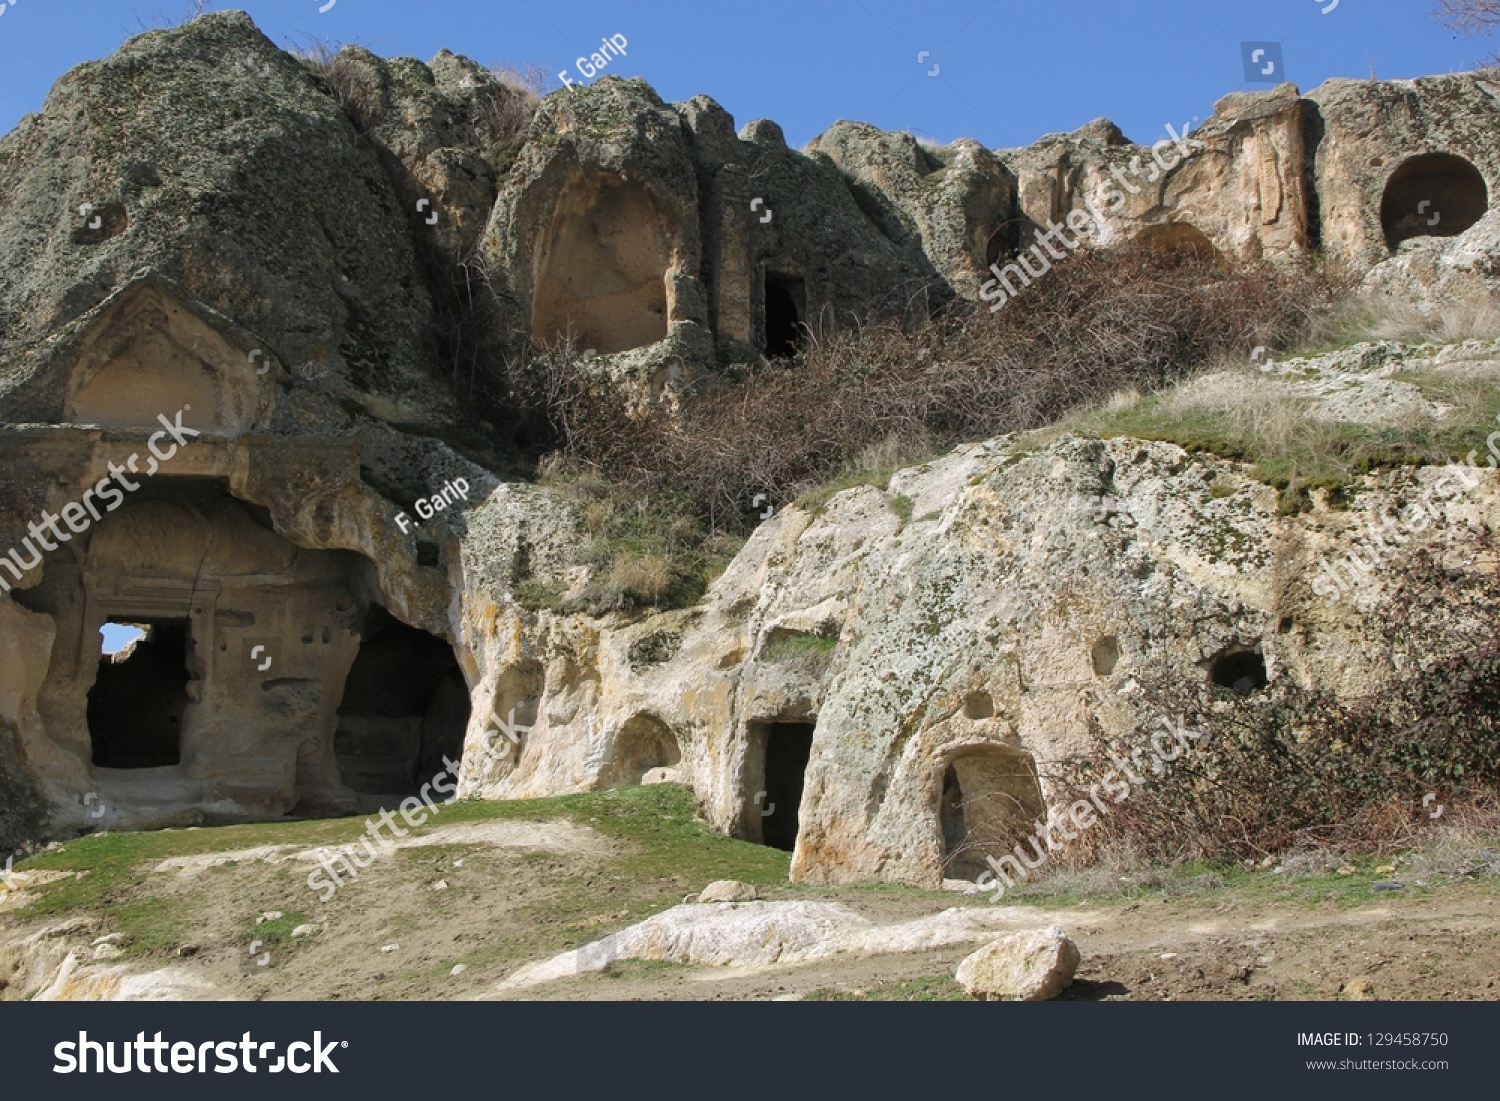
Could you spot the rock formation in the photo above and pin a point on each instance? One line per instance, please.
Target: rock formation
(203, 232)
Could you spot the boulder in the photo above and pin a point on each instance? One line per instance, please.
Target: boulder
(728, 890)
(1035, 966)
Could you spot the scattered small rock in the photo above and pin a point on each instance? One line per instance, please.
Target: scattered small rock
(304, 931)
(458, 969)
(1386, 869)
(1348, 869)
(107, 952)
(1026, 967)
(109, 938)
(1167, 956)
(391, 948)
(186, 951)
(728, 890)
(1390, 885)
(1358, 990)
(440, 885)
(269, 915)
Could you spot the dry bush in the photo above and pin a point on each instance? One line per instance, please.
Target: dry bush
(158, 20)
(510, 106)
(1293, 767)
(1099, 323)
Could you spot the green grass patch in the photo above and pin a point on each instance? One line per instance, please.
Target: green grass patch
(668, 853)
(1288, 448)
(927, 988)
(817, 498)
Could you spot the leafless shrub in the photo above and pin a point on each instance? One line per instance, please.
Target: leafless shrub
(1294, 767)
(1471, 17)
(1100, 323)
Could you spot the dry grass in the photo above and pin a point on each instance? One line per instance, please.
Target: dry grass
(1474, 317)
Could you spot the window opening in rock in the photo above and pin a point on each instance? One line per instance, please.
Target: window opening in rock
(1239, 669)
(1105, 655)
(139, 698)
(978, 706)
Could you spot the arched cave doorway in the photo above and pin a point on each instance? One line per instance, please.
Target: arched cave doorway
(139, 698)
(645, 743)
(1433, 195)
(405, 706)
(786, 306)
(988, 801)
(1176, 241)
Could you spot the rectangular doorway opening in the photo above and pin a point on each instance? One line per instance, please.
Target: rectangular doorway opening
(139, 698)
(785, 299)
(784, 750)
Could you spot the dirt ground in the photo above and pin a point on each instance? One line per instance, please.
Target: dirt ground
(459, 907)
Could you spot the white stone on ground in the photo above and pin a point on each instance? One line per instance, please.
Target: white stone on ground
(1034, 966)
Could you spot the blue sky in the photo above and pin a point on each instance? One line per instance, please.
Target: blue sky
(1006, 71)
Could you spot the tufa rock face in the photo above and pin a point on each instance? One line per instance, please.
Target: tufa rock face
(1395, 160)
(334, 623)
(211, 159)
(1234, 185)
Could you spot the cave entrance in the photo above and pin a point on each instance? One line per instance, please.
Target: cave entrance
(1434, 195)
(405, 706)
(1175, 243)
(786, 306)
(989, 798)
(784, 748)
(139, 698)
